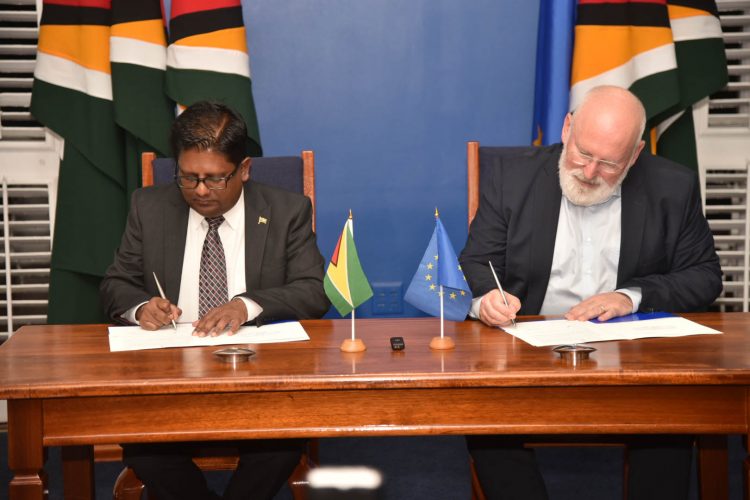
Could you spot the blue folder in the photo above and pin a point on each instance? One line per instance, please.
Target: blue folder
(636, 317)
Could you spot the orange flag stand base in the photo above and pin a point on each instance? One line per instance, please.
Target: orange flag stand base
(353, 345)
(442, 343)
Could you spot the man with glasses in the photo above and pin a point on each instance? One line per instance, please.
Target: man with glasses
(227, 252)
(592, 228)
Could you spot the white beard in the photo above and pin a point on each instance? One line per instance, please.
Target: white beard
(591, 192)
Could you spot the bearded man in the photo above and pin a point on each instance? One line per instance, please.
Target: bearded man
(591, 228)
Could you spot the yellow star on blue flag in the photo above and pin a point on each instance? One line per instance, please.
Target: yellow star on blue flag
(439, 266)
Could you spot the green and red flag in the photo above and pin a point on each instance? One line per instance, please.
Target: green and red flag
(628, 44)
(701, 59)
(207, 58)
(345, 282)
(72, 95)
(103, 81)
(138, 56)
(670, 53)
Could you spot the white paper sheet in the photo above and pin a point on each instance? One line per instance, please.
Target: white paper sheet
(559, 332)
(133, 338)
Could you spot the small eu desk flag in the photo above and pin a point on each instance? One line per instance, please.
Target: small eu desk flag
(439, 267)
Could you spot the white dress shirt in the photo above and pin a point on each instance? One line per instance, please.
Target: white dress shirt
(586, 256)
(232, 235)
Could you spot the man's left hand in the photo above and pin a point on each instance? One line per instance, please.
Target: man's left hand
(230, 315)
(602, 307)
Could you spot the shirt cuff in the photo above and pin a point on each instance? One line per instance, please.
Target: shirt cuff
(475, 303)
(129, 315)
(253, 309)
(635, 296)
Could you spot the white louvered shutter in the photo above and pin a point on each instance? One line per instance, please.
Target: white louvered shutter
(726, 211)
(723, 140)
(25, 244)
(731, 107)
(18, 37)
(28, 175)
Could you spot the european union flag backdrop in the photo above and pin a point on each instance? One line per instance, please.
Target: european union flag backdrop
(554, 52)
(439, 266)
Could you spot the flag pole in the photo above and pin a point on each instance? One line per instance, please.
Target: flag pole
(441, 342)
(442, 314)
(353, 344)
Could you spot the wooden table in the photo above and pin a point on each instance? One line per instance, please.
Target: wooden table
(64, 388)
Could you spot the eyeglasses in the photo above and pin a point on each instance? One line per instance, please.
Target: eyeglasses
(584, 159)
(213, 183)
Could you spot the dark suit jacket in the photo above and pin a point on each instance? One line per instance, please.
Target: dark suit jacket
(283, 266)
(666, 247)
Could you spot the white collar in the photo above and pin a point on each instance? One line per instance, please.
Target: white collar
(232, 217)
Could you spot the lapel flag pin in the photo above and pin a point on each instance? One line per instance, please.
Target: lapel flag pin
(262, 220)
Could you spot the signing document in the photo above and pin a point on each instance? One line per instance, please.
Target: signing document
(134, 338)
(635, 326)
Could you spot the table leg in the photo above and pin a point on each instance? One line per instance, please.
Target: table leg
(713, 467)
(78, 472)
(25, 450)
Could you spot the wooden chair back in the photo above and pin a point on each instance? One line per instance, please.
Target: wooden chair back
(292, 173)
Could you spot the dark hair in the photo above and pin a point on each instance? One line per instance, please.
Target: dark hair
(210, 125)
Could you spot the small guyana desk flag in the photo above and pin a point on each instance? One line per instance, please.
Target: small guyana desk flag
(440, 276)
(345, 282)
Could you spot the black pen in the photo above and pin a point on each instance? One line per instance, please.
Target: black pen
(497, 281)
(161, 292)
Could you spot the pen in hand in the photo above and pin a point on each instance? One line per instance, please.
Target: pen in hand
(161, 293)
(497, 282)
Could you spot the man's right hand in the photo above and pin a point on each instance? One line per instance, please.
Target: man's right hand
(494, 312)
(156, 313)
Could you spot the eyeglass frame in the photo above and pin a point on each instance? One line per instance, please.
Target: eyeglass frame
(178, 179)
(608, 166)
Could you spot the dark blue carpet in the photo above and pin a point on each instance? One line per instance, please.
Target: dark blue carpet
(429, 468)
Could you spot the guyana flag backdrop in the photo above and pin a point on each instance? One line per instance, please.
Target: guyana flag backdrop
(138, 58)
(670, 53)
(72, 95)
(207, 58)
(100, 83)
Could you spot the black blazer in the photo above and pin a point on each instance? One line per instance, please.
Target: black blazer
(666, 246)
(283, 266)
